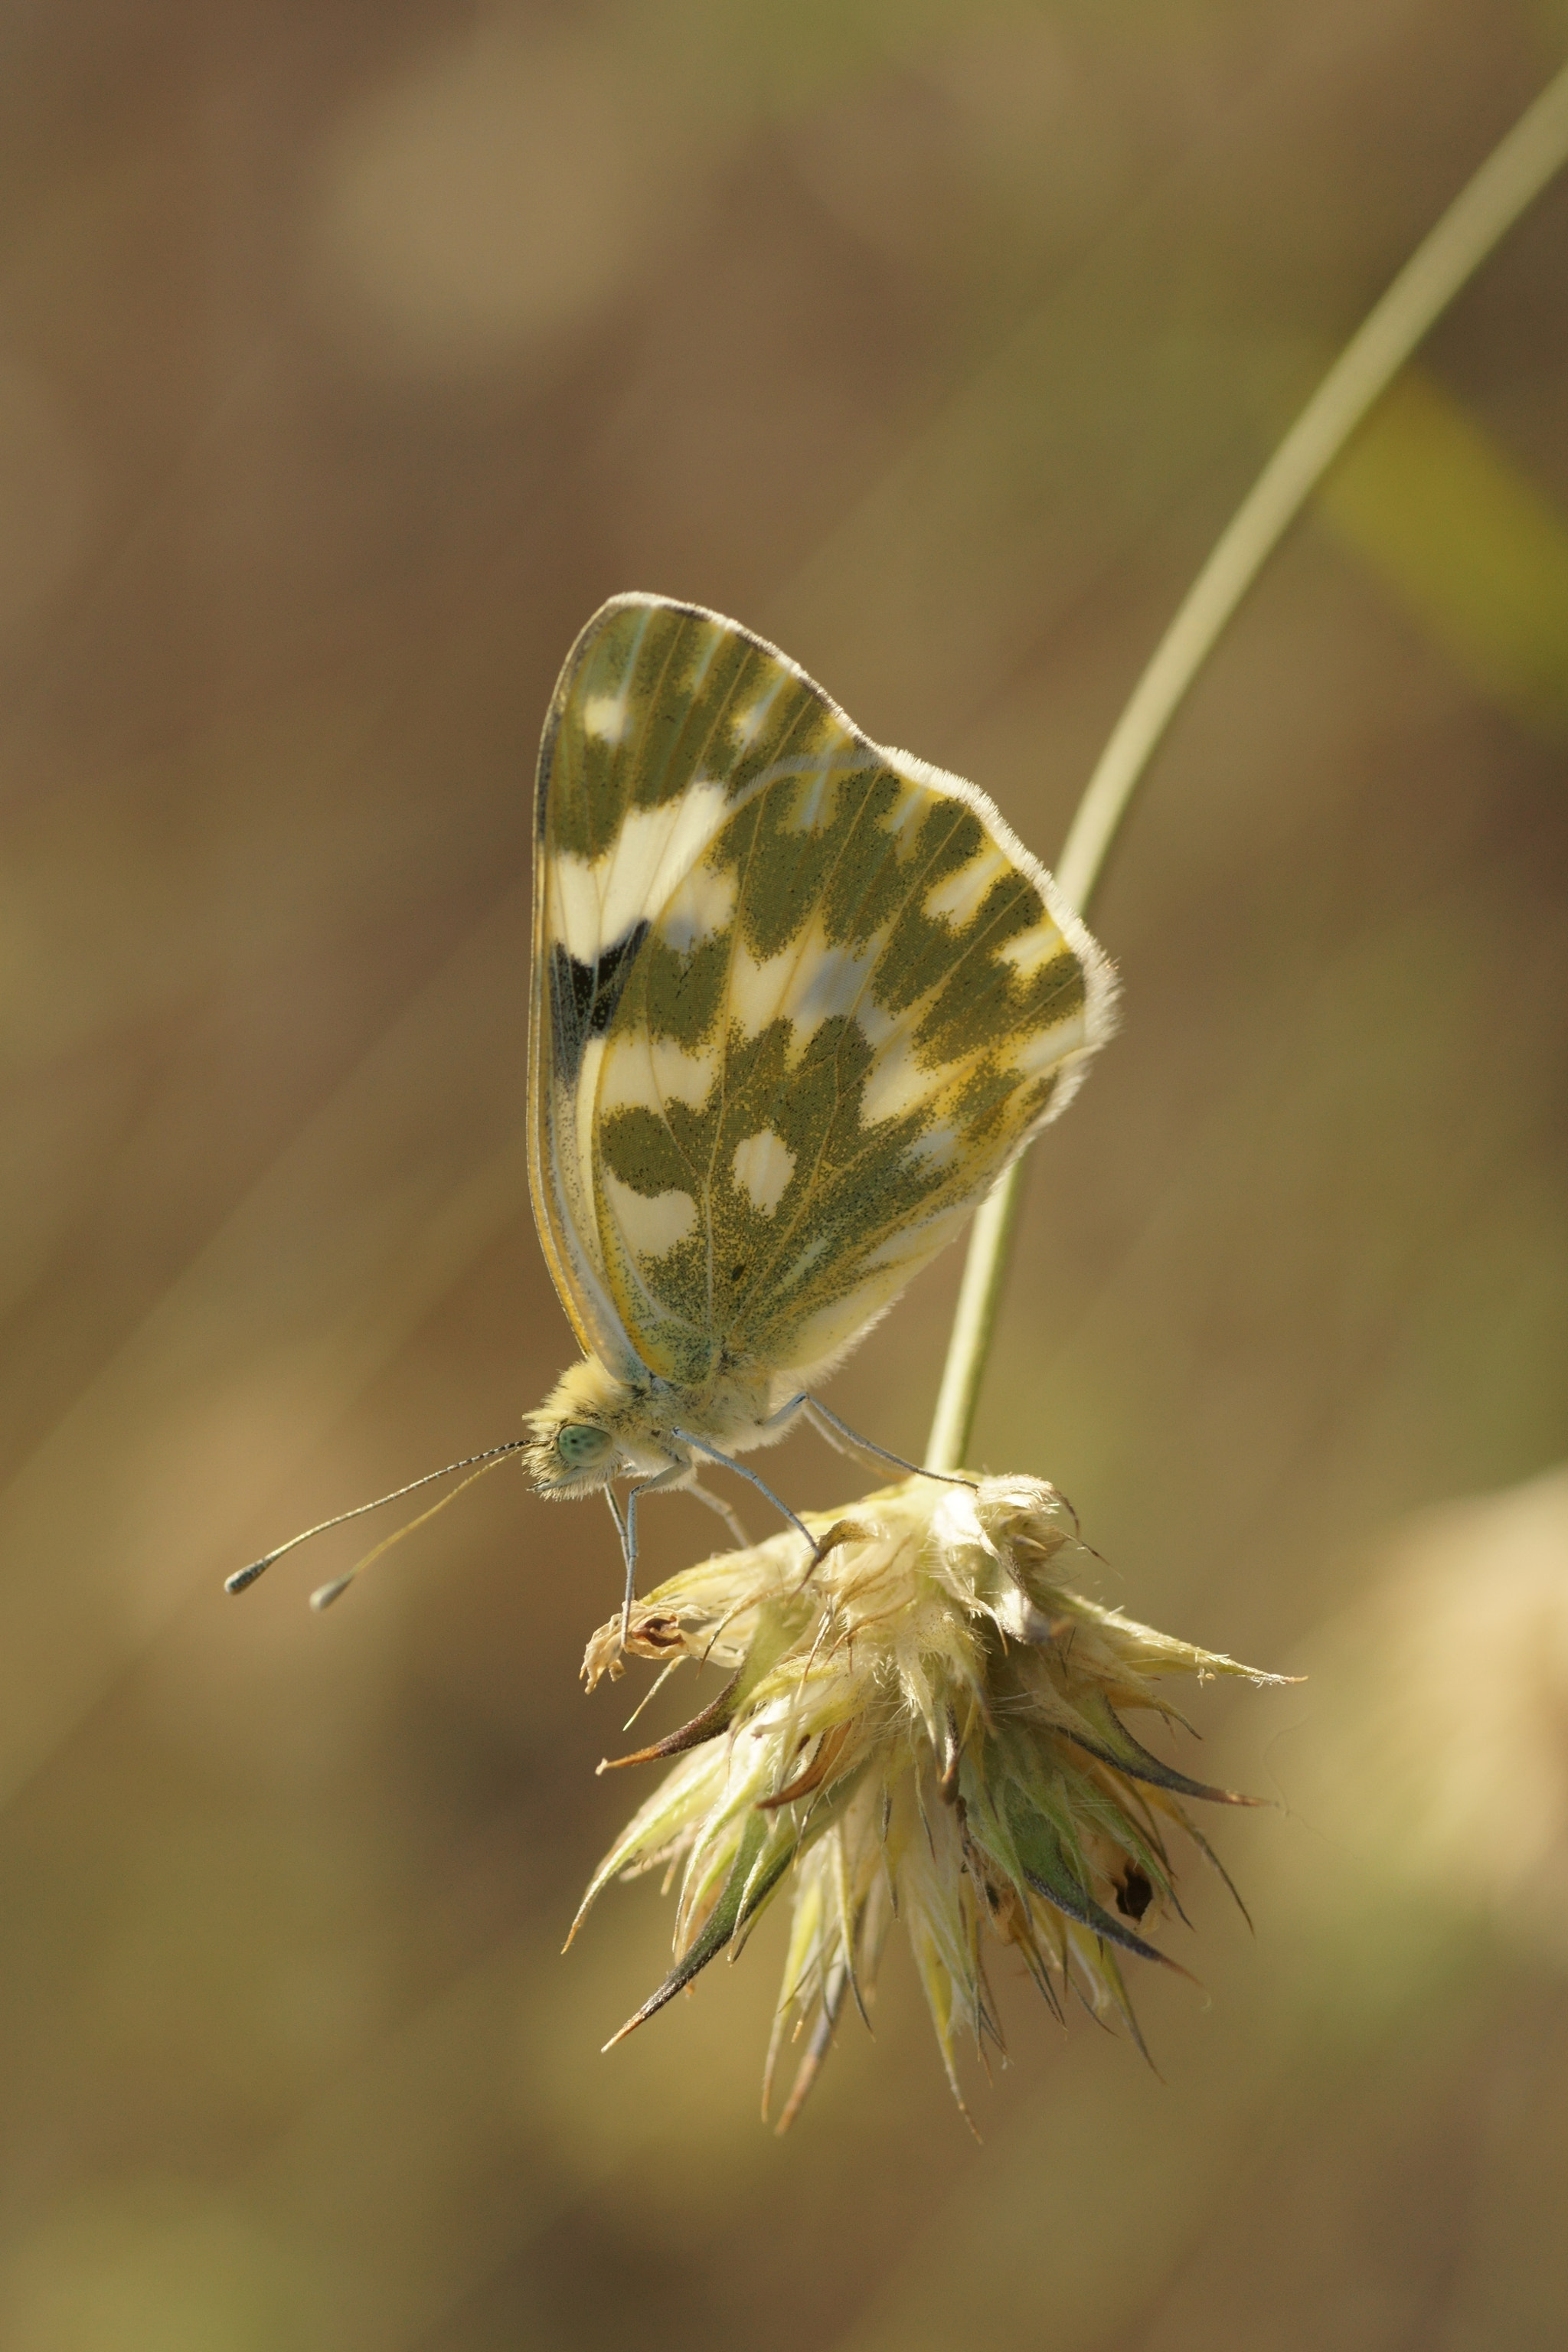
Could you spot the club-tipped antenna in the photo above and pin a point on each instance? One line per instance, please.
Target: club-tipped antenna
(244, 1577)
(325, 1594)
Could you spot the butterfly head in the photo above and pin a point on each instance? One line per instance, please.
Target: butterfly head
(593, 1428)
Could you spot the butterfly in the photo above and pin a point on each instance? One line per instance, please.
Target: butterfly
(798, 1000)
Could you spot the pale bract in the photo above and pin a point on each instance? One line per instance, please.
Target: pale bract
(925, 1723)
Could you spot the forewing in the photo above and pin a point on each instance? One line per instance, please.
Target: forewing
(805, 998)
(641, 766)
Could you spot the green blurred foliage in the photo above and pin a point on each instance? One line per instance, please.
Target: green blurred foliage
(349, 356)
(1467, 540)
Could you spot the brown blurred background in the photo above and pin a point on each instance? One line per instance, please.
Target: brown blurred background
(349, 356)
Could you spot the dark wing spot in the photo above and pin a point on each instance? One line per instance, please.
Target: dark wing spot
(583, 996)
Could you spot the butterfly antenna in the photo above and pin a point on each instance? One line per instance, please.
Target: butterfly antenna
(242, 1576)
(325, 1594)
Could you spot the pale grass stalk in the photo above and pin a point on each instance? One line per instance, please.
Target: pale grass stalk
(1515, 173)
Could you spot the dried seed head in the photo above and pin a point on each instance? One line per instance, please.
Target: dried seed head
(927, 1725)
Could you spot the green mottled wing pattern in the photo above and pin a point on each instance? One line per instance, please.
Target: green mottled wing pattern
(797, 1001)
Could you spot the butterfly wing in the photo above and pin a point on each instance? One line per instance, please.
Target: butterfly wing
(798, 1000)
(614, 811)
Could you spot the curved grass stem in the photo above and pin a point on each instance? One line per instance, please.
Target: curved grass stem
(1512, 176)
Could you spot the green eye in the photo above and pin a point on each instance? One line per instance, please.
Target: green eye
(579, 1445)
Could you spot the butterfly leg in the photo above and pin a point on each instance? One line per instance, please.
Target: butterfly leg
(785, 1411)
(731, 1519)
(845, 1441)
(628, 1534)
(701, 1446)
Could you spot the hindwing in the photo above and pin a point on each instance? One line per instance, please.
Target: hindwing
(798, 1000)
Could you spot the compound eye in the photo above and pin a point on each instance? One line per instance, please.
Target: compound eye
(580, 1445)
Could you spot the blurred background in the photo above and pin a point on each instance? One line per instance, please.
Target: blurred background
(349, 356)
